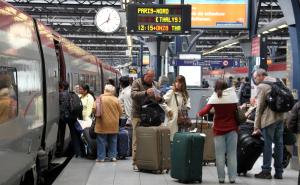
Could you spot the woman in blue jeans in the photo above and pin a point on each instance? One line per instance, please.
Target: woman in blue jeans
(224, 100)
(108, 112)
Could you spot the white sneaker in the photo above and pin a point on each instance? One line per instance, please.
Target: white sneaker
(113, 159)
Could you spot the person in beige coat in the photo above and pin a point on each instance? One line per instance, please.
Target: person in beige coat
(107, 126)
(171, 106)
(270, 125)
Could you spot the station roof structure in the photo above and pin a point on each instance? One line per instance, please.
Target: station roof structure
(74, 19)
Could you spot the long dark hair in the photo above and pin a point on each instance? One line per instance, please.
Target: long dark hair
(220, 86)
(181, 79)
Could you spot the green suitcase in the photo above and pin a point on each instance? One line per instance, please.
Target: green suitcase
(187, 156)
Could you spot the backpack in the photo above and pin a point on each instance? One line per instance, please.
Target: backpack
(152, 115)
(280, 99)
(246, 90)
(76, 106)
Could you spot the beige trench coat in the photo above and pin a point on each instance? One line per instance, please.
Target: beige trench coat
(170, 105)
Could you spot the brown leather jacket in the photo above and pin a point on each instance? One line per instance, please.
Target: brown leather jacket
(293, 121)
(138, 95)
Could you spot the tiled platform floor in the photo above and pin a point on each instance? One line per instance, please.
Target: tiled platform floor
(87, 172)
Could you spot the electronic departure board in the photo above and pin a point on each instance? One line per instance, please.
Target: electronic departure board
(158, 19)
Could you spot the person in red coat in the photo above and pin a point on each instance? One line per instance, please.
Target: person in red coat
(224, 101)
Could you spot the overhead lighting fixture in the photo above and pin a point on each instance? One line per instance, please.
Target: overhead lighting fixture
(265, 32)
(283, 26)
(272, 29)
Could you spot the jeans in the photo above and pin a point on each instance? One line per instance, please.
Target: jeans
(226, 144)
(109, 140)
(273, 133)
(75, 137)
(76, 141)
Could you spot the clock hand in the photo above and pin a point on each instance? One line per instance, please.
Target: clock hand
(108, 18)
(103, 23)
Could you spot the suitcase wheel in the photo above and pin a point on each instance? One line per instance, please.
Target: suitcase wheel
(244, 174)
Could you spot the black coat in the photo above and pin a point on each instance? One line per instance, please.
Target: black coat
(293, 121)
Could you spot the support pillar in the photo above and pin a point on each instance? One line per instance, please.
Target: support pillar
(291, 11)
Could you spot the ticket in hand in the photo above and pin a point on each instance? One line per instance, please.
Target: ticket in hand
(156, 92)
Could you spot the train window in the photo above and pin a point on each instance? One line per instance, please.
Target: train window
(8, 94)
(71, 81)
(87, 80)
(94, 83)
(75, 82)
(68, 78)
(82, 79)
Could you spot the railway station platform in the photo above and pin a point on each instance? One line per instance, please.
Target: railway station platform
(88, 172)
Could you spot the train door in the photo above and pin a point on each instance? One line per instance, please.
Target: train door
(63, 131)
(61, 61)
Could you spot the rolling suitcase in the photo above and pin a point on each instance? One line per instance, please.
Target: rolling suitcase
(90, 144)
(187, 156)
(153, 148)
(249, 148)
(129, 129)
(123, 143)
(209, 145)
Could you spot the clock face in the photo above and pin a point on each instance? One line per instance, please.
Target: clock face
(108, 20)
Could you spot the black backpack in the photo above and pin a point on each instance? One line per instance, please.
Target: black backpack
(152, 115)
(280, 99)
(76, 106)
(246, 90)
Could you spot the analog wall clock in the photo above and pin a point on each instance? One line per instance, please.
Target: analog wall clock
(108, 20)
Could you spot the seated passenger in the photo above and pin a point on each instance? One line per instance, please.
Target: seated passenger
(224, 100)
(87, 102)
(7, 104)
(107, 125)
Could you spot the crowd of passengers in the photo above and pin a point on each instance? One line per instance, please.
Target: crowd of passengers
(127, 100)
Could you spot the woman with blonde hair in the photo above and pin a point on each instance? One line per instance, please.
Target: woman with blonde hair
(107, 124)
(176, 99)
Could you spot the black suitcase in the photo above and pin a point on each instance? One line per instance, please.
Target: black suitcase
(90, 144)
(248, 150)
(129, 129)
(123, 143)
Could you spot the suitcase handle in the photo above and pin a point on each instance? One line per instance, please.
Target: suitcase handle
(201, 124)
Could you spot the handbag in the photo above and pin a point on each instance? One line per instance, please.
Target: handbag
(183, 119)
(99, 109)
(240, 115)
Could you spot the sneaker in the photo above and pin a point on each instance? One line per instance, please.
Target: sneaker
(232, 181)
(99, 160)
(221, 181)
(134, 167)
(263, 175)
(278, 176)
(113, 159)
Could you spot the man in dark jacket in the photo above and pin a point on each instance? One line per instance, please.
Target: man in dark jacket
(245, 91)
(66, 118)
(294, 125)
(142, 89)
